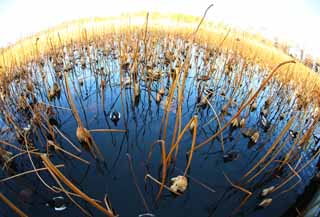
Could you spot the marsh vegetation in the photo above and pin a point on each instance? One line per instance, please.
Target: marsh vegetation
(143, 120)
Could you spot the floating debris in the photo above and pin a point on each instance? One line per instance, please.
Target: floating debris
(126, 81)
(293, 134)
(267, 191)
(264, 112)
(158, 98)
(235, 123)
(225, 110)
(125, 67)
(254, 138)
(209, 93)
(248, 132)
(203, 78)
(56, 90)
(242, 123)
(179, 184)
(316, 139)
(231, 156)
(253, 106)
(267, 103)
(80, 81)
(265, 123)
(115, 117)
(161, 91)
(57, 203)
(265, 203)
(27, 129)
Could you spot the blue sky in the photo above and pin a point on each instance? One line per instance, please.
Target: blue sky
(314, 4)
(294, 20)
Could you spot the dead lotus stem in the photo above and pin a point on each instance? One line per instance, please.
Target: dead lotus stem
(304, 140)
(136, 184)
(71, 102)
(298, 171)
(166, 106)
(62, 189)
(198, 182)
(54, 106)
(12, 206)
(249, 193)
(194, 138)
(108, 204)
(295, 184)
(27, 172)
(159, 183)
(68, 153)
(15, 156)
(145, 37)
(60, 176)
(108, 130)
(164, 164)
(179, 113)
(275, 143)
(178, 141)
(201, 21)
(180, 121)
(35, 169)
(71, 193)
(263, 84)
(218, 120)
(82, 133)
(10, 145)
(175, 129)
(288, 155)
(269, 162)
(68, 140)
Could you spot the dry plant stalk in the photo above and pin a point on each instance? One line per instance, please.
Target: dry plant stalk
(27, 172)
(243, 202)
(164, 164)
(273, 146)
(194, 137)
(263, 84)
(169, 156)
(12, 206)
(82, 133)
(66, 181)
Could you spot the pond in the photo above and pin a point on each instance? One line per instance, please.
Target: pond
(147, 104)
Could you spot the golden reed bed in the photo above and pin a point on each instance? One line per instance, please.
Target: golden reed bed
(253, 48)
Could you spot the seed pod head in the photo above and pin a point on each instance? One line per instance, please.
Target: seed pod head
(242, 123)
(161, 91)
(179, 184)
(267, 191)
(265, 202)
(158, 98)
(255, 137)
(253, 106)
(235, 122)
